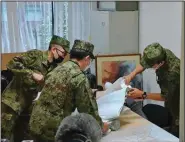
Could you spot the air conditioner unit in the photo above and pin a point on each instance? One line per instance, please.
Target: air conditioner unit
(117, 6)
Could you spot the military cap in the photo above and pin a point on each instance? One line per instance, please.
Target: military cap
(60, 41)
(153, 53)
(84, 46)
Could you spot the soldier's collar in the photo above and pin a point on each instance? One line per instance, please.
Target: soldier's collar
(74, 62)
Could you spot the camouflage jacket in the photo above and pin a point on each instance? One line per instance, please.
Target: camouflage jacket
(22, 89)
(168, 78)
(66, 88)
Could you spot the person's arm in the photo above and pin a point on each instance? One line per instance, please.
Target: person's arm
(154, 96)
(86, 103)
(138, 94)
(19, 64)
(136, 71)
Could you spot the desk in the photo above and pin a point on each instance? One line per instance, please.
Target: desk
(134, 128)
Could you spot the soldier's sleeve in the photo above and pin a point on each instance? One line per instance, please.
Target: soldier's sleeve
(19, 64)
(85, 102)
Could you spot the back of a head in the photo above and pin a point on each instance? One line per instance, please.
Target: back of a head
(79, 128)
(81, 49)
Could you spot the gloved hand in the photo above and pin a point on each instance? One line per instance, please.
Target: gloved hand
(81, 127)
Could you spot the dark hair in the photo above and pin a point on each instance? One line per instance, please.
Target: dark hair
(92, 80)
(78, 54)
(74, 136)
(100, 88)
(49, 47)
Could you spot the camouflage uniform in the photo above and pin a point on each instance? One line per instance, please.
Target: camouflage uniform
(168, 78)
(21, 91)
(66, 88)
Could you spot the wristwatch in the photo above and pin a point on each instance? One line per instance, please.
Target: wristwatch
(144, 95)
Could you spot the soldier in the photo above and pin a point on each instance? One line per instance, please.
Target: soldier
(29, 71)
(66, 89)
(167, 67)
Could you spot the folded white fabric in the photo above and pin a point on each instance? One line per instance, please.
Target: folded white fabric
(111, 104)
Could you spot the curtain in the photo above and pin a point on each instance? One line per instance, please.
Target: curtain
(26, 25)
(30, 25)
(60, 22)
(81, 13)
(72, 20)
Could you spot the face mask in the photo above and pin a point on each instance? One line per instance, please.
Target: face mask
(59, 60)
(87, 67)
(158, 66)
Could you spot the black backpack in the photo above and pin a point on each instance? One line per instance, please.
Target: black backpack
(6, 78)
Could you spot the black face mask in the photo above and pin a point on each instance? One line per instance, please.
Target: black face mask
(59, 60)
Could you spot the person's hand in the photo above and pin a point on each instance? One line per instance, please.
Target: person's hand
(127, 79)
(135, 93)
(38, 77)
(105, 128)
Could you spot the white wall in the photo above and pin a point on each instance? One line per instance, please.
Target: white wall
(114, 33)
(159, 22)
(123, 32)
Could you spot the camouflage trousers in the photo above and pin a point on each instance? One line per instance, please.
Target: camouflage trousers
(8, 119)
(174, 130)
(21, 128)
(14, 126)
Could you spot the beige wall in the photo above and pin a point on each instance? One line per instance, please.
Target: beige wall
(5, 58)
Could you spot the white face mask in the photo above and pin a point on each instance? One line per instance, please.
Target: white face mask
(159, 65)
(89, 66)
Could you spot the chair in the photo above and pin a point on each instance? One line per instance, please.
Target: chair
(158, 115)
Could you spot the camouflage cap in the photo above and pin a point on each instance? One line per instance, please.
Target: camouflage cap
(153, 53)
(84, 46)
(60, 41)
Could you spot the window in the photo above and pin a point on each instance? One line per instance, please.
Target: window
(4, 11)
(33, 23)
(33, 11)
